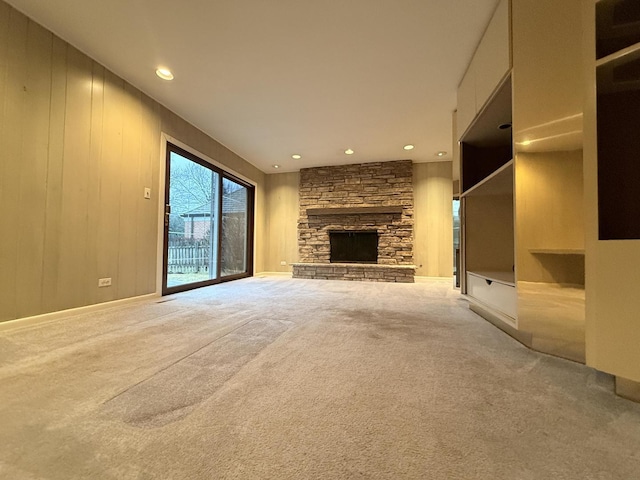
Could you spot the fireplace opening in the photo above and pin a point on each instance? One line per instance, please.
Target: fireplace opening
(354, 247)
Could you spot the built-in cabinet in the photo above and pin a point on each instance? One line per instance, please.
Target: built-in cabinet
(611, 170)
(490, 63)
(521, 175)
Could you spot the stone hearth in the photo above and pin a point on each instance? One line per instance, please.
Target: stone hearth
(362, 197)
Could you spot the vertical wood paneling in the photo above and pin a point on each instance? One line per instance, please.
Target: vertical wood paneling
(33, 178)
(130, 196)
(11, 140)
(95, 172)
(55, 159)
(78, 147)
(282, 220)
(110, 179)
(75, 174)
(5, 250)
(433, 228)
(148, 211)
(5, 15)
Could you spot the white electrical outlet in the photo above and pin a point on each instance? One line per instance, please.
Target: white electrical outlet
(104, 282)
(283, 263)
(147, 193)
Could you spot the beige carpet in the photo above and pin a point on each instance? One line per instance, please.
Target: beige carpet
(273, 378)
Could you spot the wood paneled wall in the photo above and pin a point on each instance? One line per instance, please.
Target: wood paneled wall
(78, 145)
(282, 221)
(433, 219)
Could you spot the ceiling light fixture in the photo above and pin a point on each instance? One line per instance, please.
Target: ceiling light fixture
(164, 73)
(276, 166)
(296, 156)
(409, 147)
(348, 151)
(441, 154)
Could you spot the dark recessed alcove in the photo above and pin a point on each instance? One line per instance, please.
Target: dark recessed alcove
(354, 246)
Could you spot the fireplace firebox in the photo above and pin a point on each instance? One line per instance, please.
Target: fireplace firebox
(354, 246)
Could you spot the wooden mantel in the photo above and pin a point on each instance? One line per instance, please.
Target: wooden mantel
(354, 210)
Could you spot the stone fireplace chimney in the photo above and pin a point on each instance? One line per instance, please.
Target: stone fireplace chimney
(368, 197)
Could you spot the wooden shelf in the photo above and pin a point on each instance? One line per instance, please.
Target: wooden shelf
(354, 210)
(499, 182)
(557, 251)
(619, 55)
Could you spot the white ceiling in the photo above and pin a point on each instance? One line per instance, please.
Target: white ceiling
(272, 78)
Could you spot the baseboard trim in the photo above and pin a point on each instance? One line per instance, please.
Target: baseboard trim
(274, 274)
(628, 389)
(53, 316)
(423, 279)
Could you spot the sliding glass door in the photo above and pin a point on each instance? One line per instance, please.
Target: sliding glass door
(208, 220)
(233, 247)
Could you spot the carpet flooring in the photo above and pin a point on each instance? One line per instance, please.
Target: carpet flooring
(277, 378)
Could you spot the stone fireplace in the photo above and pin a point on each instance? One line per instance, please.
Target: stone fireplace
(369, 198)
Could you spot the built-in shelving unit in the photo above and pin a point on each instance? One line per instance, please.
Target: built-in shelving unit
(487, 175)
(500, 182)
(522, 194)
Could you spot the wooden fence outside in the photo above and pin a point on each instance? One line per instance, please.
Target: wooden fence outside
(188, 259)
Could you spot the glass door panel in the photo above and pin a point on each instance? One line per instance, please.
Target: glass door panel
(234, 228)
(191, 249)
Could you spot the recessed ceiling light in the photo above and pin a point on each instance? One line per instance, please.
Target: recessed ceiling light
(348, 151)
(526, 142)
(164, 73)
(276, 166)
(409, 147)
(296, 156)
(441, 154)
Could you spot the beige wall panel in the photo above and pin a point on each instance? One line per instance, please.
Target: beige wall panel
(33, 177)
(146, 240)
(53, 219)
(131, 193)
(549, 215)
(261, 238)
(493, 56)
(433, 227)
(74, 226)
(14, 114)
(466, 100)
(110, 184)
(93, 194)
(5, 243)
(489, 233)
(547, 82)
(5, 16)
(282, 221)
